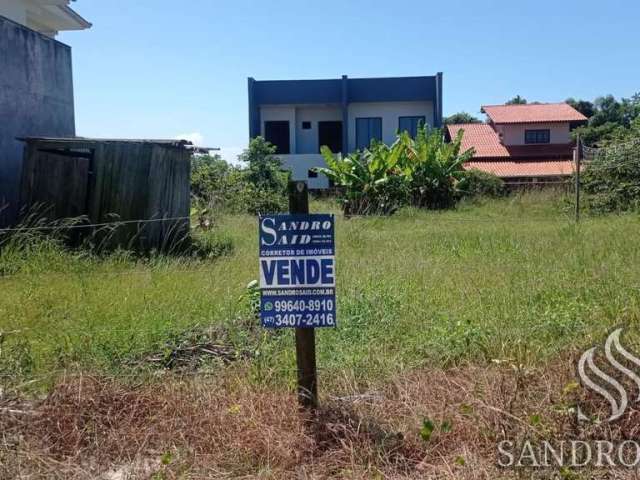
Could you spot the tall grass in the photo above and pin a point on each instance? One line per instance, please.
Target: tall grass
(504, 279)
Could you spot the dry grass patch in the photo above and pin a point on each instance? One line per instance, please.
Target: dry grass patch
(428, 424)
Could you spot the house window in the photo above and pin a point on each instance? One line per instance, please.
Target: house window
(306, 125)
(537, 136)
(277, 134)
(312, 173)
(368, 129)
(411, 124)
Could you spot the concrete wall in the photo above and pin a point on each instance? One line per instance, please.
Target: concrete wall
(307, 140)
(390, 112)
(300, 164)
(514, 134)
(36, 99)
(304, 143)
(15, 10)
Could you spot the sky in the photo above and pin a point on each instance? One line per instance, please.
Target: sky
(167, 69)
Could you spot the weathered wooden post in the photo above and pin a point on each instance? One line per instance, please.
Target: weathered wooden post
(577, 153)
(305, 337)
(298, 280)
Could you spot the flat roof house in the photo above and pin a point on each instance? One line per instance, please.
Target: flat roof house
(36, 84)
(522, 143)
(345, 114)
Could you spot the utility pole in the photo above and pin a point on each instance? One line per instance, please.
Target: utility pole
(305, 337)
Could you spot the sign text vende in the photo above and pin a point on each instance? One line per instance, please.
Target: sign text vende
(297, 270)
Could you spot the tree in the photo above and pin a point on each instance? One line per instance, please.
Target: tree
(610, 120)
(517, 100)
(461, 117)
(264, 169)
(258, 186)
(585, 107)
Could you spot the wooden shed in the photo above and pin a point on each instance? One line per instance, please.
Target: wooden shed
(106, 181)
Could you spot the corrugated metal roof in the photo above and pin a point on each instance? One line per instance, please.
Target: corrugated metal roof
(84, 140)
(70, 140)
(533, 113)
(511, 169)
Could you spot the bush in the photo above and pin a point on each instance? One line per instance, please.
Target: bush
(434, 167)
(217, 185)
(476, 183)
(612, 179)
(258, 187)
(370, 181)
(423, 171)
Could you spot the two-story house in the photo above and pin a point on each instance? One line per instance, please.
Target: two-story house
(523, 143)
(36, 84)
(345, 114)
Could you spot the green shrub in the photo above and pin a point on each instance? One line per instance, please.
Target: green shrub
(210, 245)
(371, 181)
(434, 167)
(612, 179)
(258, 187)
(423, 171)
(476, 183)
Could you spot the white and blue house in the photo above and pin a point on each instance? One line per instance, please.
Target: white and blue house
(346, 114)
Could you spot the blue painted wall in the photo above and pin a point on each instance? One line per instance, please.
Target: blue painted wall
(342, 92)
(36, 98)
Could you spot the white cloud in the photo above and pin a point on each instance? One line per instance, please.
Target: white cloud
(194, 137)
(230, 154)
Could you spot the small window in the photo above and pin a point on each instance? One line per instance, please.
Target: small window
(411, 124)
(312, 174)
(537, 136)
(306, 125)
(368, 129)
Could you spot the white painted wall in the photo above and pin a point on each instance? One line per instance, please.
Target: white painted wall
(15, 10)
(300, 164)
(307, 140)
(514, 134)
(390, 112)
(304, 143)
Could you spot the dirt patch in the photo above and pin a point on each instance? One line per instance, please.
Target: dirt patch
(429, 424)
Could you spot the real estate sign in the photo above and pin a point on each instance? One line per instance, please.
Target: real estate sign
(297, 271)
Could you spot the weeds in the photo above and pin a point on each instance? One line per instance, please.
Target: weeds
(465, 323)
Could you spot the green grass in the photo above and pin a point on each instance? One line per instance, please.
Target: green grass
(508, 279)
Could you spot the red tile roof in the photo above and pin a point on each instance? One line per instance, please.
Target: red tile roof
(486, 143)
(482, 137)
(533, 113)
(510, 169)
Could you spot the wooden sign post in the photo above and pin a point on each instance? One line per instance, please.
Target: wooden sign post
(298, 280)
(305, 337)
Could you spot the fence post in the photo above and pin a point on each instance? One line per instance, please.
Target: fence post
(576, 161)
(305, 337)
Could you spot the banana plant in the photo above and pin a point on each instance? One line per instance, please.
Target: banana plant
(371, 180)
(436, 167)
(378, 180)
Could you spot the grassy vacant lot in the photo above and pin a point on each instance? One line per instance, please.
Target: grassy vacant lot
(488, 303)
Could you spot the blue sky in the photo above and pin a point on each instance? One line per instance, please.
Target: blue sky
(148, 68)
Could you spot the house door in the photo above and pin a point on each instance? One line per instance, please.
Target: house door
(330, 134)
(277, 133)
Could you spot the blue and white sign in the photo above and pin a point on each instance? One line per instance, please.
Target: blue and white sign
(297, 271)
